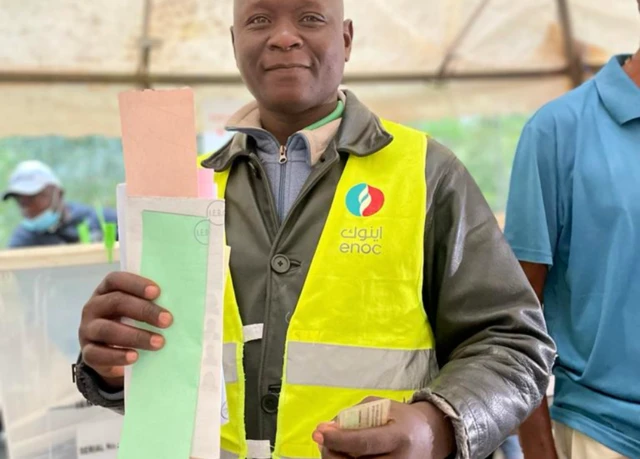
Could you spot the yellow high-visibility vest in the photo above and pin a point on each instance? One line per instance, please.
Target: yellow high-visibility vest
(359, 328)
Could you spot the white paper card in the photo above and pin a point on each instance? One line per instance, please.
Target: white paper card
(121, 206)
(98, 440)
(365, 416)
(211, 394)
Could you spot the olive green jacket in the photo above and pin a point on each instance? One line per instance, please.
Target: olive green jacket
(492, 348)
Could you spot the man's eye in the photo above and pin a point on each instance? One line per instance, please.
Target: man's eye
(259, 20)
(311, 18)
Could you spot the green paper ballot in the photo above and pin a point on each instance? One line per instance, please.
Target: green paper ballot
(163, 393)
(110, 231)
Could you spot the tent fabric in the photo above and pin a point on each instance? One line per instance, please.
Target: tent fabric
(392, 38)
(77, 110)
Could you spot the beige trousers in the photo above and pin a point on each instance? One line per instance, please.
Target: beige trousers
(572, 444)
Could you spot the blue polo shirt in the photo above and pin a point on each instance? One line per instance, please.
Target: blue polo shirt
(574, 204)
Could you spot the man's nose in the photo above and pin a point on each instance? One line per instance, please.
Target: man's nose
(285, 37)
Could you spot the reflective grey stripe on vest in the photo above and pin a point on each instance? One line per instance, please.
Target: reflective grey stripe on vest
(229, 455)
(349, 366)
(249, 333)
(229, 362)
(359, 367)
(224, 454)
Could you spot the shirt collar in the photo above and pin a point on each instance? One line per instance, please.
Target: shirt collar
(619, 93)
(361, 133)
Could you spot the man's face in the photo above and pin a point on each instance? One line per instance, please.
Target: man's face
(291, 53)
(32, 206)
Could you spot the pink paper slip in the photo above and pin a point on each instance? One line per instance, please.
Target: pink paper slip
(205, 183)
(159, 142)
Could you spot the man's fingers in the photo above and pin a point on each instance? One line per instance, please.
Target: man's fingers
(364, 442)
(119, 304)
(318, 437)
(110, 373)
(113, 372)
(328, 454)
(104, 358)
(129, 283)
(114, 333)
(325, 426)
(126, 295)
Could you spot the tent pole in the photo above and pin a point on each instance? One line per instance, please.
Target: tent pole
(575, 68)
(232, 79)
(146, 46)
(457, 41)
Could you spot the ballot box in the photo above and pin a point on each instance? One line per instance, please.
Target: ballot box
(42, 292)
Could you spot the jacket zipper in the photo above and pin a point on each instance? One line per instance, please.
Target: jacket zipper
(265, 348)
(273, 212)
(306, 188)
(283, 175)
(283, 154)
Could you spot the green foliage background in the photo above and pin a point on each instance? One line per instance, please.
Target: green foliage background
(486, 146)
(90, 167)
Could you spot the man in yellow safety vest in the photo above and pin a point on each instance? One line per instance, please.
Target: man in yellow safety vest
(364, 263)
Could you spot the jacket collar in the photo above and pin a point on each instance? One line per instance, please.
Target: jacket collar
(619, 94)
(361, 134)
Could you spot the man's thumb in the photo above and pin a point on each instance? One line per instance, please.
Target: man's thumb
(357, 443)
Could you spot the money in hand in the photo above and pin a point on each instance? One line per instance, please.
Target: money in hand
(365, 416)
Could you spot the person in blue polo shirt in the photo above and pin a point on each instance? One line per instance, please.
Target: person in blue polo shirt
(573, 221)
(46, 218)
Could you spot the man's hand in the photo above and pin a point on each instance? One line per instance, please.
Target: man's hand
(419, 430)
(109, 345)
(536, 437)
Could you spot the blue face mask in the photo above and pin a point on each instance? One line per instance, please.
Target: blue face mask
(43, 222)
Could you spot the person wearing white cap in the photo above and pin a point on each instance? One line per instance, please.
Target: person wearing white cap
(46, 218)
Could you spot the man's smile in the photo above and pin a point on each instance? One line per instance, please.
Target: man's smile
(286, 67)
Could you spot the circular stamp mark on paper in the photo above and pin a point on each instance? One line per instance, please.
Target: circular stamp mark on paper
(201, 232)
(215, 213)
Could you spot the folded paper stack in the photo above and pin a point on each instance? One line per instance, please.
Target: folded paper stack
(172, 232)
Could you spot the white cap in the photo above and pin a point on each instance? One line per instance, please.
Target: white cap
(30, 178)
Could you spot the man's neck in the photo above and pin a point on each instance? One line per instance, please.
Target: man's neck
(632, 68)
(283, 126)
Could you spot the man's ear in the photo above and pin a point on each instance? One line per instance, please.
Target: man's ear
(233, 40)
(347, 33)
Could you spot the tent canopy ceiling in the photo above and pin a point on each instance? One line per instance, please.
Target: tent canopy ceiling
(115, 44)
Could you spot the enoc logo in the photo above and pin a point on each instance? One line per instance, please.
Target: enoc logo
(364, 200)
